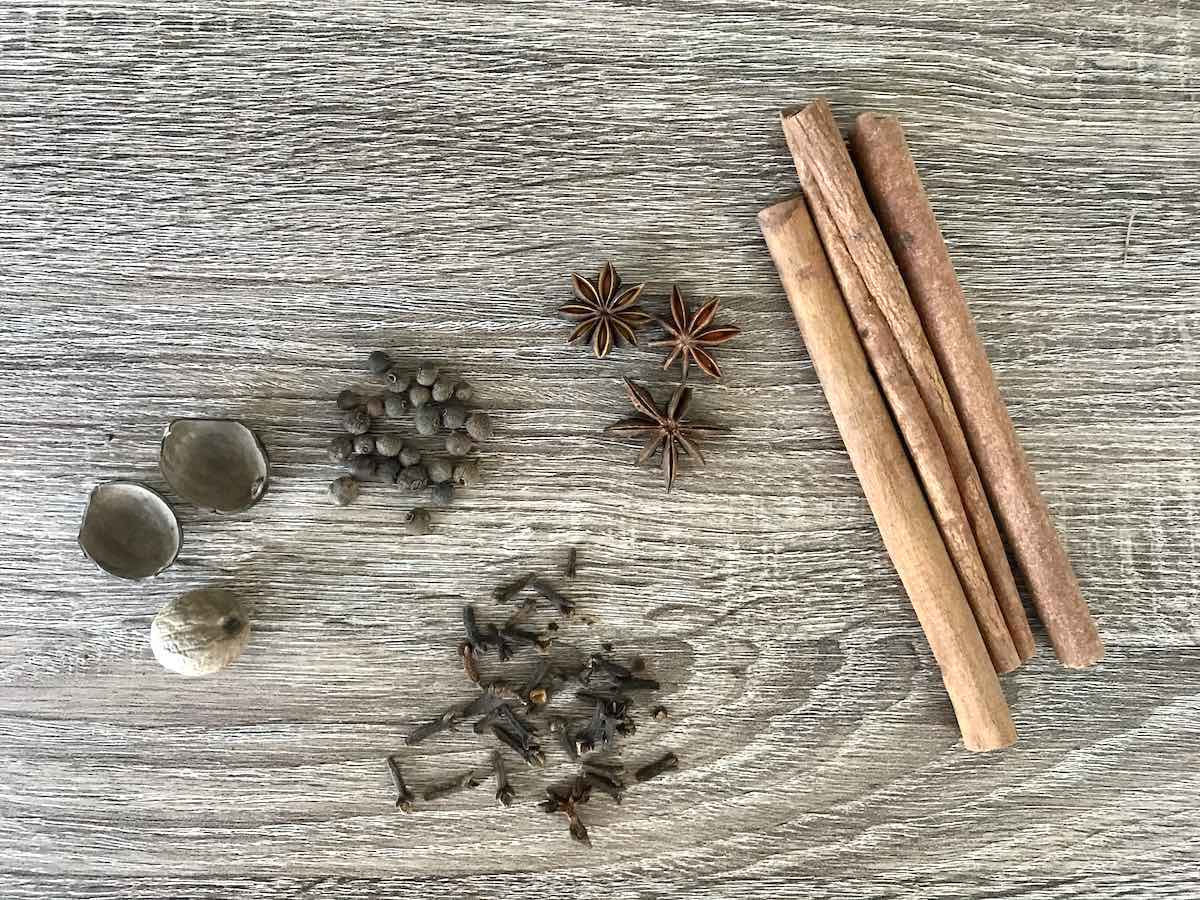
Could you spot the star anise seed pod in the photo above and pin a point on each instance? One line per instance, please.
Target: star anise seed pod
(664, 430)
(606, 313)
(691, 337)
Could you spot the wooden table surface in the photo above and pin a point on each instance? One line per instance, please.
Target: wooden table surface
(218, 209)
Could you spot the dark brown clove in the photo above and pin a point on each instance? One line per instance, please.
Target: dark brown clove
(504, 790)
(669, 762)
(463, 782)
(506, 592)
(470, 661)
(638, 684)
(567, 802)
(532, 755)
(404, 797)
(604, 784)
(566, 736)
(493, 636)
(444, 722)
(526, 636)
(598, 662)
(522, 612)
(471, 626)
(572, 557)
(548, 591)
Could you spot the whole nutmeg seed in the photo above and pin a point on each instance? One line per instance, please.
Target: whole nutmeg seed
(379, 362)
(427, 374)
(443, 390)
(440, 470)
(388, 445)
(463, 392)
(356, 421)
(343, 491)
(375, 407)
(387, 469)
(415, 477)
(397, 380)
(442, 494)
(479, 426)
(340, 448)
(362, 467)
(417, 521)
(467, 472)
(458, 444)
(425, 420)
(364, 443)
(395, 405)
(453, 416)
(200, 633)
(349, 400)
(419, 395)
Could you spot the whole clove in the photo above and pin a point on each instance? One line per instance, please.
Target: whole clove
(503, 645)
(638, 684)
(572, 556)
(527, 637)
(470, 661)
(600, 662)
(490, 694)
(474, 636)
(444, 722)
(603, 783)
(504, 790)
(547, 590)
(668, 762)
(566, 737)
(404, 797)
(506, 592)
(567, 802)
(463, 782)
(533, 755)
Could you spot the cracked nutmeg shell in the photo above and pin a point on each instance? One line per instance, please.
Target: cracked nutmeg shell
(200, 633)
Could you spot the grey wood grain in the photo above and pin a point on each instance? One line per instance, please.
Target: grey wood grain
(219, 209)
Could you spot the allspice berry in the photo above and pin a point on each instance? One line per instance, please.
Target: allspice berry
(466, 472)
(387, 469)
(479, 426)
(364, 443)
(349, 400)
(458, 444)
(200, 633)
(427, 374)
(375, 407)
(340, 448)
(397, 380)
(388, 445)
(379, 362)
(418, 396)
(415, 478)
(440, 469)
(425, 420)
(463, 392)
(443, 390)
(362, 467)
(453, 416)
(343, 491)
(356, 421)
(442, 494)
(417, 521)
(395, 405)
(409, 456)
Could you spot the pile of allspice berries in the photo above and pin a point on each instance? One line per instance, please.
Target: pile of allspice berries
(373, 452)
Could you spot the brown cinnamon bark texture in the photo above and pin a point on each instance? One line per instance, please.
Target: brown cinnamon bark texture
(907, 220)
(917, 429)
(825, 168)
(889, 483)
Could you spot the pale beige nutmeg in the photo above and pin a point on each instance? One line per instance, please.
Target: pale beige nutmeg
(200, 633)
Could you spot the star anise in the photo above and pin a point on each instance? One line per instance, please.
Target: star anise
(691, 337)
(664, 429)
(607, 313)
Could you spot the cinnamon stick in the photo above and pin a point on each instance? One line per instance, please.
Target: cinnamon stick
(889, 483)
(908, 222)
(920, 435)
(822, 161)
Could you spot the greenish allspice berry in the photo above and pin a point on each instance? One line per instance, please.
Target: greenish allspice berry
(463, 392)
(442, 494)
(479, 426)
(375, 407)
(467, 472)
(425, 420)
(417, 521)
(419, 395)
(362, 467)
(440, 469)
(356, 421)
(453, 416)
(388, 445)
(364, 444)
(349, 400)
(387, 469)
(397, 380)
(378, 362)
(427, 374)
(442, 390)
(409, 456)
(415, 477)
(341, 448)
(395, 405)
(343, 491)
(458, 444)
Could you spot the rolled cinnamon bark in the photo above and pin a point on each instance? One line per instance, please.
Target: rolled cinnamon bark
(917, 429)
(907, 220)
(823, 163)
(889, 483)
